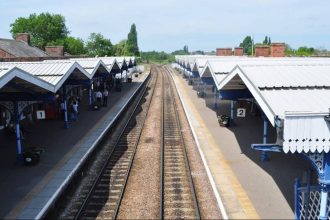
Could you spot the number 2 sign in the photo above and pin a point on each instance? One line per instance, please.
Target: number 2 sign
(241, 112)
(41, 114)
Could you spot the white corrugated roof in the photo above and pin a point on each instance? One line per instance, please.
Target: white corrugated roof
(9, 73)
(91, 65)
(290, 76)
(52, 72)
(283, 89)
(219, 68)
(111, 61)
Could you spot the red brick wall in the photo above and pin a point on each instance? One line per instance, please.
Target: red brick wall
(238, 51)
(4, 54)
(277, 50)
(224, 52)
(23, 37)
(56, 51)
(262, 51)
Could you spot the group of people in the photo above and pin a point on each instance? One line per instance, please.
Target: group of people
(102, 97)
(73, 110)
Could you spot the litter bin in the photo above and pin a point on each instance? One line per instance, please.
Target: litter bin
(96, 106)
(201, 94)
(224, 120)
(32, 156)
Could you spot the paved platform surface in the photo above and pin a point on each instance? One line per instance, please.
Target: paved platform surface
(25, 190)
(248, 187)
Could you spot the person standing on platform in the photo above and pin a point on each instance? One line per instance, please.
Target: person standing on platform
(99, 98)
(105, 97)
(75, 110)
(62, 109)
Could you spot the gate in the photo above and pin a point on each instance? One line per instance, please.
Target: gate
(307, 201)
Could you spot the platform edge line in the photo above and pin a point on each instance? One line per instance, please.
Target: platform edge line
(67, 179)
(208, 172)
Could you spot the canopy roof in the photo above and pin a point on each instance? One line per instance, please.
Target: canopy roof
(293, 93)
(53, 74)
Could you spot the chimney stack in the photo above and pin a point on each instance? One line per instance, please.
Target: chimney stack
(55, 51)
(23, 37)
(238, 51)
(224, 52)
(262, 51)
(277, 50)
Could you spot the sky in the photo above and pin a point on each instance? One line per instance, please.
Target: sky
(171, 24)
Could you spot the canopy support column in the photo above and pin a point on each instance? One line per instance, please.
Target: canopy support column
(215, 104)
(324, 202)
(18, 132)
(90, 94)
(66, 123)
(232, 110)
(264, 155)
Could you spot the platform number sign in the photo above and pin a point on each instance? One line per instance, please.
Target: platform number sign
(241, 112)
(41, 114)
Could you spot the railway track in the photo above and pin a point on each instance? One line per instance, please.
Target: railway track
(105, 195)
(178, 197)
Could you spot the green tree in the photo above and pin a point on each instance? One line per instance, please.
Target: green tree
(43, 28)
(131, 47)
(97, 45)
(305, 51)
(120, 48)
(73, 46)
(185, 49)
(247, 45)
(158, 57)
(265, 40)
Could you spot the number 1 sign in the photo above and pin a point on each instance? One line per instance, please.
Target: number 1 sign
(241, 112)
(41, 114)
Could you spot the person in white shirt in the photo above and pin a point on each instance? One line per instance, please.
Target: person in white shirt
(75, 110)
(98, 98)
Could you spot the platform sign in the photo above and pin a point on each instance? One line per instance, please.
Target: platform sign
(241, 112)
(41, 114)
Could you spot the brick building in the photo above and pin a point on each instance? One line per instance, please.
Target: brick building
(224, 52)
(19, 48)
(262, 51)
(238, 51)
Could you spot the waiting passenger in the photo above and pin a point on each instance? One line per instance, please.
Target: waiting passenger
(99, 98)
(74, 113)
(105, 97)
(62, 109)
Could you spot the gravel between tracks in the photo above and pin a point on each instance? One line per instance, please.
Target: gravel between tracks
(141, 198)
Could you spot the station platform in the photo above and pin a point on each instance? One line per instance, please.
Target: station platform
(25, 191)
(247, 187)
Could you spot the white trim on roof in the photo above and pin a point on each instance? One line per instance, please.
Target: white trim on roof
(21, 74)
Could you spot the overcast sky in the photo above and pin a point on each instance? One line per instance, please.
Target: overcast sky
(170, 24)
